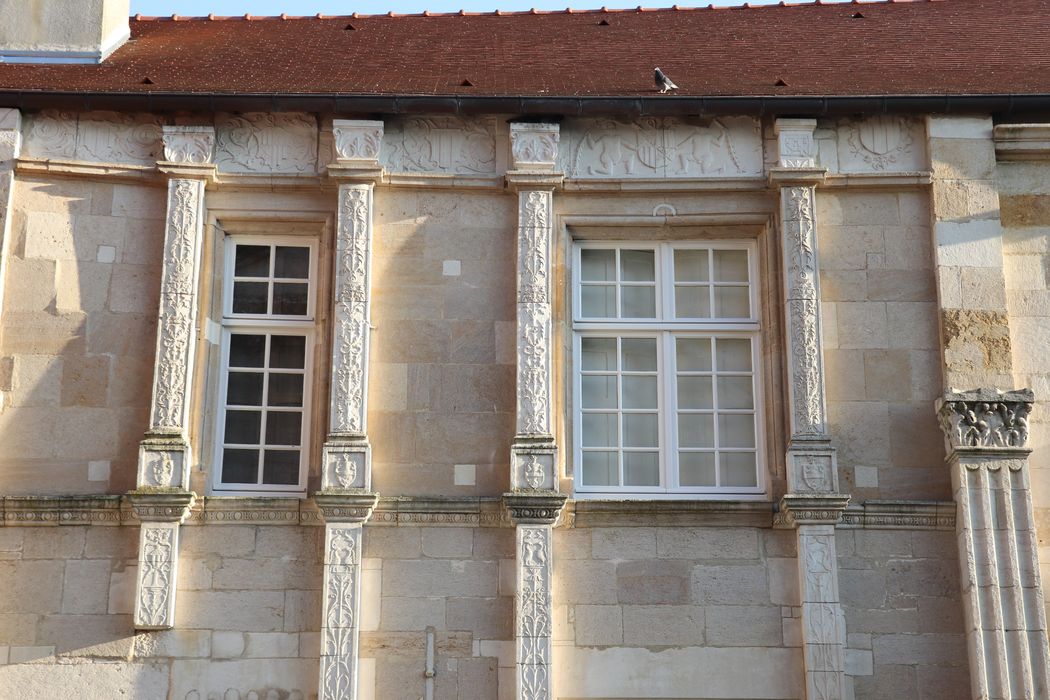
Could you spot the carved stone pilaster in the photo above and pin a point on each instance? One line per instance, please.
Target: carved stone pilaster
(160, 515)
(986, 433)
(10, 149)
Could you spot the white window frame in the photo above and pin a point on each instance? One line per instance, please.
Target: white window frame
(259, 324)
(665, 328)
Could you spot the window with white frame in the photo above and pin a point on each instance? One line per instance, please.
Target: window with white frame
(267, 348)
(666, 382)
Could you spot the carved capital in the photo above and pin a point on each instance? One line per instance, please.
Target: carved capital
(810, 509)
(534, 146)
(357, 142)
(10, 134)
(534, 508)
(346, 506)
(795, 145)
(188, 145)
(985, 419)
(158, 506)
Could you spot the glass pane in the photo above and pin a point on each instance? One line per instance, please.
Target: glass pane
(284, 428)
(695, 392)
(696, 468)
(639, 392)
(285, 390)
(638, 302)
(281, 467)
(735, 392)
(599, 430)
(732, 302)
(696, 430)
(252, 261)
(599, 391)
(692, 302)
(640, 430)
(599, 469)
(734, 354)
(637, 266)
(289, 298)
(242, 427)
(288, 351)
(736, 430)
(250, 297)
(738, 469)
(598, 354)
(598, 301)
(693, 354)
(641, 469)
(730, 265)
(247, 350)
(690, 266)
(244, 389)
(240, 466)
(639, 354)
(598, 265)
(292, 262)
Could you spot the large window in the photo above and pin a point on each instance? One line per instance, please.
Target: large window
(267, 348)
(666, 356)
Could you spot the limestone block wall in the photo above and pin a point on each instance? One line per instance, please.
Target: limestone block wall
(881, 343)
(76, 355)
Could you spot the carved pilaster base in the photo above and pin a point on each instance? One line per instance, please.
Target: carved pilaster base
(164, 461)
(534, 508)
(812, 466)
(347, 463)
(161, 514)
(533, 464)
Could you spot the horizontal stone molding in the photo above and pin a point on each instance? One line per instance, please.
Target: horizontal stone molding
(673, 513)
(899, 515)
(534, 508)
(1022, 141)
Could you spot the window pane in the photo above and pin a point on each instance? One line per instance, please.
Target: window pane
(693, 354)
(598, 354)
(637, 266)
(599, 391)
(639, 392)
(690, 266)
(242, 427)
(244, 389)
(638, 302)
(598, 265)
(598, 301)
(734, 354)
(281, 467)
(696, 468)
(250, 297)
(640, 430)
(696, 430)
(288, 351)
(736, 430)
(240, 466)
(292, 262)
(285, 390)
(732, 302)
(692, 302)
(641, 469)
(247, 350)
(252, 261)
(599, 469)
(730, 265)
(639, 354)
(599, 430)
(284, 428)
(735, 392)
(695, 392)
(289, 298)
(738, 469)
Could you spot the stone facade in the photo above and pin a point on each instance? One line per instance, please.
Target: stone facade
(440, 548)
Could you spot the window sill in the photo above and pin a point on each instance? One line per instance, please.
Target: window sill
(604, 510)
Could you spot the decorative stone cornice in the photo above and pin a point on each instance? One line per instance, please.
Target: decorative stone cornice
(899, 515)
(810, 509)
(534, 508)
(349, 506)
(159, 505)
(985, 419)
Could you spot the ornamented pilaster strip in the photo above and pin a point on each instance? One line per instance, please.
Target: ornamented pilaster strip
(10, 148)
(160, 515)
(986, 433)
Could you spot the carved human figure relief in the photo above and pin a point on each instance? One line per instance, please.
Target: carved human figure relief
(266, 142)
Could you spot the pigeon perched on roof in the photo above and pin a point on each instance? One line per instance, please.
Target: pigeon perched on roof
(663, 82)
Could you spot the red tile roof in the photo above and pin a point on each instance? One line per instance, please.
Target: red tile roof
(929, 47)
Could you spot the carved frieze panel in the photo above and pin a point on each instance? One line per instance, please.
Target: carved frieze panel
(795, 145)
(881, 144)
(266, 142)
(114, 137)
(51, 134)
(534, 146)
(662, 148)
(986, 418)
(441, 145)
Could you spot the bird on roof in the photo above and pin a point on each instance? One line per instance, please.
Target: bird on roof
(663, 82)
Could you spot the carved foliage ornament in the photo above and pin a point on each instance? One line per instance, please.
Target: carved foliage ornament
(338, 650)
(266, 142)
(880, 141)
(357, 141)
(986, 421)
(188, 145)
(534, 145)
(156, 582)
(441, 145)
(534, 611)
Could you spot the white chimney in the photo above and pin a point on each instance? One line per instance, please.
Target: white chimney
(61, 31)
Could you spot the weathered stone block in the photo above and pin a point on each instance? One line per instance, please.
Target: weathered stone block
(86, 586)
(730, 585)
(485, 618)
(412, 614)
(663, 625)
(706, 543)
(735, 625)
(653, 582)
(623, 543)
(583, 581)
(263, 611)
(598, 625)
(439, 577)
(447, 542)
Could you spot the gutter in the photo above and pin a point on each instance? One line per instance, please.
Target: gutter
(531, 106)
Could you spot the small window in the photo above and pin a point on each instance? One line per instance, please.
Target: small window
(666, 351)
(267, 348)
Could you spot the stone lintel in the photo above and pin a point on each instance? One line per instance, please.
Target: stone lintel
(346, 505)
(189, 171)
(534, 508)
(794, 177)
(810, 509)
(354, 174)
(161, 505)
(524, 180)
